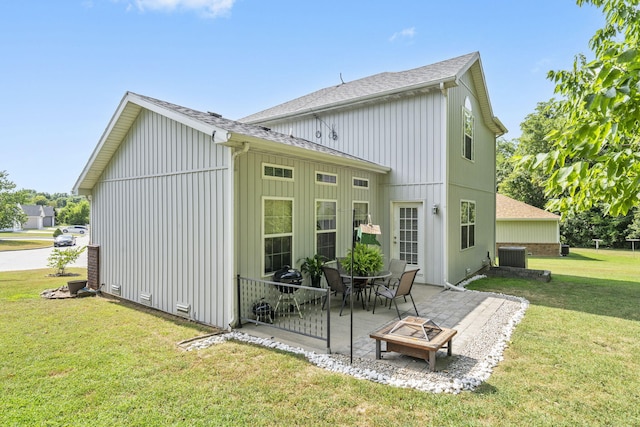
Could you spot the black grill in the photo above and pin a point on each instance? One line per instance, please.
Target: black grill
(289, 276)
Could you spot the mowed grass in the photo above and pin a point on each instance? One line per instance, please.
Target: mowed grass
(8, 240)
(18, 245)
(573, 360)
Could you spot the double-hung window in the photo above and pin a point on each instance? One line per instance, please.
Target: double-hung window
(277, 217)
(467, 224)
(326, 228)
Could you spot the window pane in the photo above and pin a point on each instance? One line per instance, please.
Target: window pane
(277, 216)
(464, 213)
(463, 234)
(326, 245)
(277, 253)
(361, 211)
(278, 220)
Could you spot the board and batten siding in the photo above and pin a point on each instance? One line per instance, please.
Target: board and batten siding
(158, 214)
(527, 231)
(468, 180)
(251, 189)
(404, 134)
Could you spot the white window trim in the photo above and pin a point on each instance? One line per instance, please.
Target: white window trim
(278, 178)
(353, 206)
(469, 223)
(264, 236)
(328, 174)
(315, 209)
(466, 111)
(353, 184)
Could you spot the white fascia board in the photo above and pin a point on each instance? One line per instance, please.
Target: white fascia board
(258, 144)
(100, 146)
(220, 135)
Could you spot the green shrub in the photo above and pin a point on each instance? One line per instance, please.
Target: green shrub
(61, 258)
(56, 233)
(366, 260)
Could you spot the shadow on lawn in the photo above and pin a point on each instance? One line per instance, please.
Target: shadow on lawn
(580, 257)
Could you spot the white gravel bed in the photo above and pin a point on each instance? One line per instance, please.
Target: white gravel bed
(472, 363)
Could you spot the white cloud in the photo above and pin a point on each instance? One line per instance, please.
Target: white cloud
(407, 33)
(209, 8)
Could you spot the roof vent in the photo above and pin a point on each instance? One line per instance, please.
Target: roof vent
(216, 115)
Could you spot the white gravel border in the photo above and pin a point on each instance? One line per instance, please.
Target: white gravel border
(471, 366)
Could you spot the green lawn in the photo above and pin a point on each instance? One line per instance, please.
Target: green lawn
(8, 242)
(573, 360)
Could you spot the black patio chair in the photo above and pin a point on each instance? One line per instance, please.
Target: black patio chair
(336, 285)
(403, 289)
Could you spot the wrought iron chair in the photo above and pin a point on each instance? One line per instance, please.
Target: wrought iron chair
(403, 289)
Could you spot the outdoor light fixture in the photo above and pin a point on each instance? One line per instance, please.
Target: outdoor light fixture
(435, 209)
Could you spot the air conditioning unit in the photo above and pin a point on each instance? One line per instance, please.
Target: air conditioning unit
(512, 256)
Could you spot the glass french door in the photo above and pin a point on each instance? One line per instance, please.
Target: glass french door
(406, 243)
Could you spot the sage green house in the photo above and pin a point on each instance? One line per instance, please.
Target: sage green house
(183, 201)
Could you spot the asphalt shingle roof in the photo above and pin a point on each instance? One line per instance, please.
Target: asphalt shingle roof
(249, 129)
(378, 84)
(508, 208)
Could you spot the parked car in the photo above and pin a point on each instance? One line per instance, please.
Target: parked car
(64, 240)
(75, 229)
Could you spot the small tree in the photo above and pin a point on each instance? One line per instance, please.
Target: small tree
(10, 212)
(56, 233)
(61, 258)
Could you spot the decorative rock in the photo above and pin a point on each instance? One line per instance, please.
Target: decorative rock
(473, 363)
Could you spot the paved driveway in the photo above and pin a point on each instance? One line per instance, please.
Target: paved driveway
(32, 259)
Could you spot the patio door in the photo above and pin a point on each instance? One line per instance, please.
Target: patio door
(407, 238)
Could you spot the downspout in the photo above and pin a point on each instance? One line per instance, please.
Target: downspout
(444, 193)
(243, 150)
(235, 318)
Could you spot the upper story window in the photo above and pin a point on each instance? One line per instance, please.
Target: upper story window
(326, 178)
(467, 131)
(277, 172)
(361, 183)
(467, 224)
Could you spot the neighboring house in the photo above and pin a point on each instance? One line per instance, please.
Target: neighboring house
(182, 201)
(520, 224)
(38, 217)
(49, 219)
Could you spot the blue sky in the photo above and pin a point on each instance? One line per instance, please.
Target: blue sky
(67, 64)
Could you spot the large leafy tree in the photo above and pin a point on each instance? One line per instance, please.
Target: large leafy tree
(528, 186)
(10, 212)
(595, 155)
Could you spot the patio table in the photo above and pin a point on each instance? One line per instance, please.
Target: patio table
(367, 279)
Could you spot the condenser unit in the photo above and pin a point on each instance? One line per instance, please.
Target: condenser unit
(512, 256)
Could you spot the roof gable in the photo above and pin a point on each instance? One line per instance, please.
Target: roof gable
(223, 131)
(510, 209)
(441, 75)
(32, 210)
